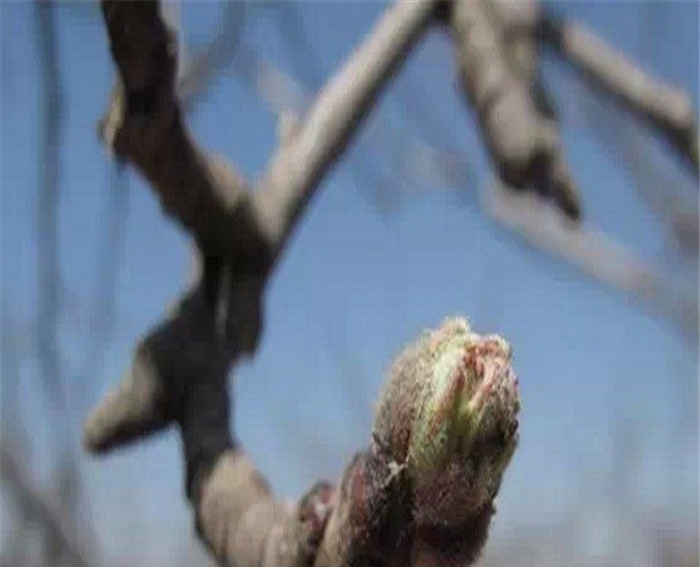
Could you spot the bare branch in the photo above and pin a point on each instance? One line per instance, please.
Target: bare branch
(281, 93)
(48, 270)
(179, 369)
(429, 166)
(145, 126)
(199, 70)
(669, 109)
(35, 508)
(419, 161)
(297, 167)
(654, 184)
(591, 252)
(102, 318)
(522, 140)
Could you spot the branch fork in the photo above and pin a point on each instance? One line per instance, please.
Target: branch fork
(423, 491)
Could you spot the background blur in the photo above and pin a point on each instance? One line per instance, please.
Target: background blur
(396, 239)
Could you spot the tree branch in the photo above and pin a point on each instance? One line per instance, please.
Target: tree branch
(238, 239)
(523, 141)
(297, 167)
(179, 370)
(419, 161)
(667, 108)
(35, 508)
(199, 70)
(655, 185)
(593, 253)
(144, 126)
(48, 270)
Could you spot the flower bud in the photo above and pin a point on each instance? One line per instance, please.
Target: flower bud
(449, 414)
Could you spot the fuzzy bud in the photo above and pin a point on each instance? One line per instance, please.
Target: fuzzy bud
(448, 414)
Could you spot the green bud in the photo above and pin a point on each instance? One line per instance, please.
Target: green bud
(472, 396)
(449, 414)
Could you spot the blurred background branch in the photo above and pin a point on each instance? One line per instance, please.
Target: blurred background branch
(48, 270)
(60, 521)
(62, 548)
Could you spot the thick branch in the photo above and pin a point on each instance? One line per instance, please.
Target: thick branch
(667, 108)
(179, 370)
(239, 242)
(145, 127)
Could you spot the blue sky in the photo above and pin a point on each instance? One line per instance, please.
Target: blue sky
(355, 285)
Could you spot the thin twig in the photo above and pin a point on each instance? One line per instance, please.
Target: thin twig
(48, 267)
(102, 319)
(654, 185)
(37, 510)
(592, 252)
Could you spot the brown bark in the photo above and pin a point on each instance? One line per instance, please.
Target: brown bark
(522, 140)
(378, 515)
(179, 370)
